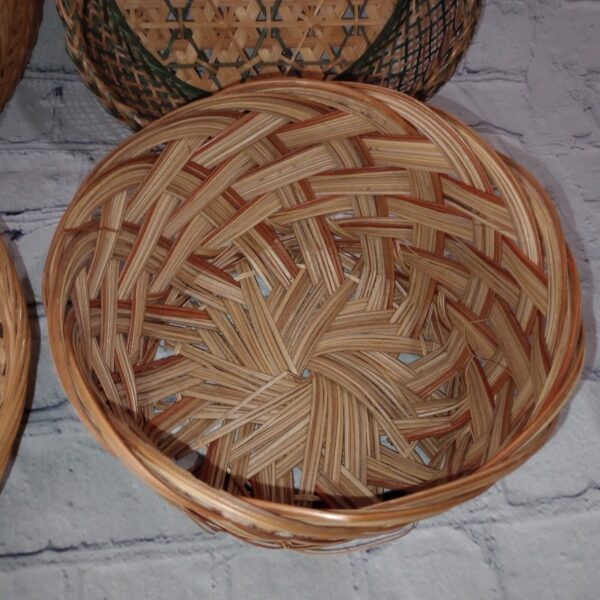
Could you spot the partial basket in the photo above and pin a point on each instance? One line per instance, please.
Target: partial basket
(19, 24)
(145, 58)
(310, 313)
(15, 344)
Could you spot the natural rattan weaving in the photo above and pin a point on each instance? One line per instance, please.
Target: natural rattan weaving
(145, 57)
(339, 310)
(14, 356)
(19, 23)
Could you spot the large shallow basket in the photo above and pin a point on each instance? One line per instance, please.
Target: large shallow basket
(19, 24)
(309, 312)
(145, 58)
(15, 345)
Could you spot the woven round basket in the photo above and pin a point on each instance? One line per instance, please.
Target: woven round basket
(310, 313)
(143, 58)
(19, 24)
(15, 343)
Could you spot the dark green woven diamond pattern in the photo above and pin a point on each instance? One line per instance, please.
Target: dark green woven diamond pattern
(416, 50)
(420, 48)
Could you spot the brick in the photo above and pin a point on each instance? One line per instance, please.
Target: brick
(502, 42)
(553, 558)
(36, 180)
(28, 117)
(582, 166)
(181, 577)
(496, 109)
(36, 188)
(31, 250)
(58, 111)
(429, 564)
(257, 574)
(37, 583)
(81, 119)
(576, 53)
(49, 53)
(563, 467)
(64, 491)
(50, 394)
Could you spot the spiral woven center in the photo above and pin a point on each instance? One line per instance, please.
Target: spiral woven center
(314, 294)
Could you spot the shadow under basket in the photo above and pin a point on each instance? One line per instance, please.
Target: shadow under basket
(15, 350)
(312, 313)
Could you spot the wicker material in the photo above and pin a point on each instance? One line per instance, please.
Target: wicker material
(144, 58)
(19, 24)
(339, 310)
(15, 345)
(210, 46)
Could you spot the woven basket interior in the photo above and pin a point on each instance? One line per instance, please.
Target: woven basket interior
(210, 45)
(316, 295)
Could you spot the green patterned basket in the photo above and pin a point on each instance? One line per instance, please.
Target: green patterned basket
(143, 58)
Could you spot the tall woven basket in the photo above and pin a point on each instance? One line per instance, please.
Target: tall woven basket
(144, 58)
(313, 313)
(19, 24)
(15, 345)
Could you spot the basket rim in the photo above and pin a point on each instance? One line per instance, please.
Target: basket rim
(388, 513)
(17, 340)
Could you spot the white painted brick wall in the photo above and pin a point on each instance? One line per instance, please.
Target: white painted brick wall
(74, 524)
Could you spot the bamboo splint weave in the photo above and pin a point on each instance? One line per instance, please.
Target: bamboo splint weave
(19, 23)
(15, 352)
(144, 58)
(309, 313)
